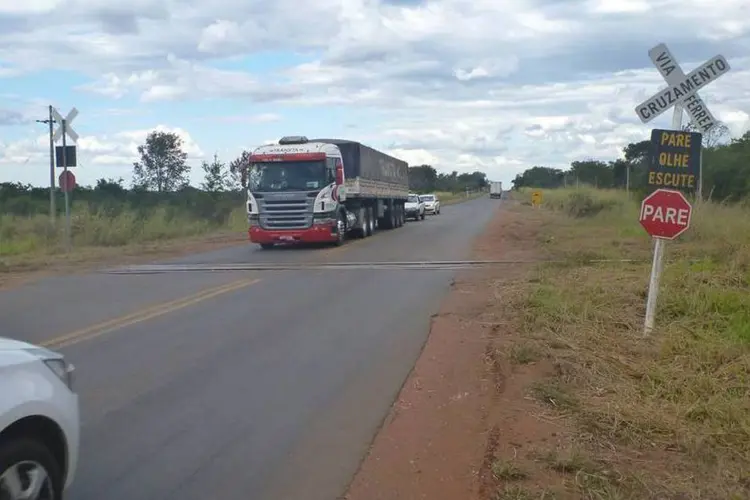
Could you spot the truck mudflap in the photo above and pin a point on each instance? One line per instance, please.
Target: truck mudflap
(319, 233)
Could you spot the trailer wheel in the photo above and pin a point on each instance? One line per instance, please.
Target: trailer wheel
(370, 221)
(363, 231)
(389, 219)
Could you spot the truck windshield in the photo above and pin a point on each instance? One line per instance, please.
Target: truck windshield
(288, 176)
(413, 199)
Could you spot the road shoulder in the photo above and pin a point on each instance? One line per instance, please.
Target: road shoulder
(27, 269)
(463, 420)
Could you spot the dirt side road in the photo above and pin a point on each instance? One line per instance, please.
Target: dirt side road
(463, 426)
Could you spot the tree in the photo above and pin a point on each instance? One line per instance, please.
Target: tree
(111, 187)
(422, 178)
(541, 177)
(217, 176)
(593, 172)
(718, 134)
(238, 170)
(163, 165)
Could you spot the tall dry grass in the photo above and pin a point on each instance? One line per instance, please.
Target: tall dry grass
(668, 415)
(35, 235)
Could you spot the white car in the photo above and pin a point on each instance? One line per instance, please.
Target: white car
(39, 422)
(414, 207)
(431, 203)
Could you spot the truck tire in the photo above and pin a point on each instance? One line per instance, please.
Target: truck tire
(363, 232)
(422, 215)
(390, 218)
(370, 221)
(341, 236)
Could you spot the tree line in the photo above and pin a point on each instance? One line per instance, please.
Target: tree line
(161, 176)
(425, 179)
(726, 168)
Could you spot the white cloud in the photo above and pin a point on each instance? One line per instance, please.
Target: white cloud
(493, 84)
(259, 118)
(99, 156)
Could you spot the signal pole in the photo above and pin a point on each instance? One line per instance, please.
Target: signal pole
(51, 122)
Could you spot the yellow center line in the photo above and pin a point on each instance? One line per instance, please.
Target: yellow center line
(144, 314)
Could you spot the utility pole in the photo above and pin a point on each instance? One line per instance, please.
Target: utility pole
(627, 180)
(51, 122)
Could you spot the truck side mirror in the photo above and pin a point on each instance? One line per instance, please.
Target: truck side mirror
(339, 173)
(243, 179)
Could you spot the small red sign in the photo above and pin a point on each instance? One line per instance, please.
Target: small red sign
(665, 213)
(67, 181)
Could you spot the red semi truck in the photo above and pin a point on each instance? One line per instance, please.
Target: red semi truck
(321, 190)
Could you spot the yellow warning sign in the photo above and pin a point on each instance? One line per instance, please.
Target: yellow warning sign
(536, 197)
(675, 160)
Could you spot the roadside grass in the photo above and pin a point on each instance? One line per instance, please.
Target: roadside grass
(24, 240)
(665, 416)
(30, 242)
(448, 198)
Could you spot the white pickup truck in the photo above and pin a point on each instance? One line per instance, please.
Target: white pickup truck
(414, 207)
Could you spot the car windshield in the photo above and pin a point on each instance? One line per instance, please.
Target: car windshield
(288, 176)
(428, 197)
(413, 199)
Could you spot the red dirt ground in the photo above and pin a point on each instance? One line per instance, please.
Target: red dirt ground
(465, 407)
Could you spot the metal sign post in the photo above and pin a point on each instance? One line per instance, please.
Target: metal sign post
(681, 93)
(67, 191)
(665, 214)
(65, 130)
(52, 208)
(657, 266)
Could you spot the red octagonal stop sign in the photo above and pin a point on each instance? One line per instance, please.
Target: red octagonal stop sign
(665, 213)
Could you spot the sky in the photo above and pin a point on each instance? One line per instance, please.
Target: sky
(491, 85)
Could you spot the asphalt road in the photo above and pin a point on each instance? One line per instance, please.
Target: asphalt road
(238, 385)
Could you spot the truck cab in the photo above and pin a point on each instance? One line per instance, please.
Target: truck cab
(293, 192)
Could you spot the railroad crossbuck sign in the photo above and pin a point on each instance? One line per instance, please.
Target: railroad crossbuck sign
(665, 214)
(682, 89)
(68, 129)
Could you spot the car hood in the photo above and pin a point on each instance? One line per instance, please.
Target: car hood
(7, 344)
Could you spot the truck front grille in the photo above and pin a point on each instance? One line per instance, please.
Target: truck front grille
(286, 211)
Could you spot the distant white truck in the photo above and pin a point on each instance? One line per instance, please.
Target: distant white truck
(496, 189)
